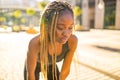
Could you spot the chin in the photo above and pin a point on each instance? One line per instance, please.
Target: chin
(62, 42)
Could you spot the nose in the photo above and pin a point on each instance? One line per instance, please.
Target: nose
(66, 33)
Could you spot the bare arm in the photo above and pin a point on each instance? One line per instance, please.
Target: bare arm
(32, 54)
(72, 42)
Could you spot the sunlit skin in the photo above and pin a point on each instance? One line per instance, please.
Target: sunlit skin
(63, 34)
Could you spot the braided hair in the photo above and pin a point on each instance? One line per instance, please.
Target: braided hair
(48, 25)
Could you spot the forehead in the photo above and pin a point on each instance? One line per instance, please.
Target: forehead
(65, 17)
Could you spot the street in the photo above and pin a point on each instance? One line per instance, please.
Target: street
(97, 56)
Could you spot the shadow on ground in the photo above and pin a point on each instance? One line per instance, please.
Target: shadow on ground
(107, 48)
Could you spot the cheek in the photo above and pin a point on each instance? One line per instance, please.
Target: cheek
(58, 33)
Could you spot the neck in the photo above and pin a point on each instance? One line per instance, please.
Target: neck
(58, 44)
(58, 48)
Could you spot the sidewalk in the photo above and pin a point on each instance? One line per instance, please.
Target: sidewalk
(97, 56)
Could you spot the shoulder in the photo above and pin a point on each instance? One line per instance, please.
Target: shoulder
(72, 41)
(34, 42)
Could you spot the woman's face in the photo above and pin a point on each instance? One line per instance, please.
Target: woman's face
(64, 27)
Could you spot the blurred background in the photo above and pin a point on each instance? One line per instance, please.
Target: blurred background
(97, 27)
(89, 14)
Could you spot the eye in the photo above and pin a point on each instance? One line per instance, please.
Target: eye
(60, 27)
(71, 27)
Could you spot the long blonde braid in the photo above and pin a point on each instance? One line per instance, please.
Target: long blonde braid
(47, 34)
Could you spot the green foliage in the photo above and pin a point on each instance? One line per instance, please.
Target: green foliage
(2, 19)
(42, 4)
(17, 13)
(109, 20)
(111, 27)
(30, 11)
(77, 11)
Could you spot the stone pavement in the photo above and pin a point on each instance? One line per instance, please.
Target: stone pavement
(97, 56)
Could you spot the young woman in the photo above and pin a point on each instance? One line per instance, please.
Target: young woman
(55, 42)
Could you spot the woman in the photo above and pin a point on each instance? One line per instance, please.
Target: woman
(55, 42)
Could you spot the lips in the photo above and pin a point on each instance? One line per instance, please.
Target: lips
(64, 39)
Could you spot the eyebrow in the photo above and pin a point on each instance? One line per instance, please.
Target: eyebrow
(64, 24)
(61, 24)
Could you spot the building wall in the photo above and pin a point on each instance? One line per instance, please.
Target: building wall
(117, 24)
(99, 15)
(91, 13)
(85, 15)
